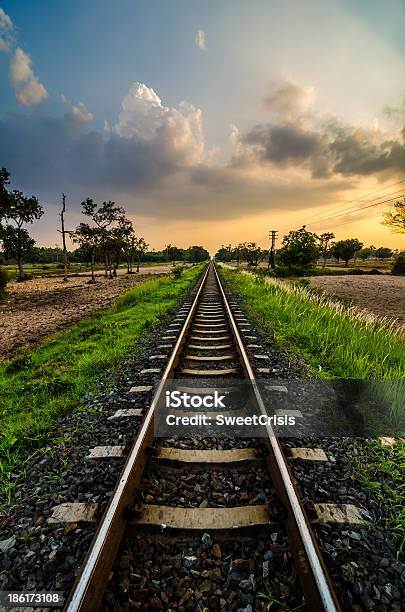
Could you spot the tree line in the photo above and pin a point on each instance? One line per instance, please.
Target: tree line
(107, 236)
(304, 248)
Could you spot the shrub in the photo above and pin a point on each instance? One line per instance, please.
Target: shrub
(359, 271)
(293, 270)
(177, 271)
(398, 267)
(3, 282)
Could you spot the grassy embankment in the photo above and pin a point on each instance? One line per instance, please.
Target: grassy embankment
(336, 343)
(39, 385)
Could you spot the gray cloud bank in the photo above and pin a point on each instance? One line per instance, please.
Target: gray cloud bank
(295, 136)
(154, 158)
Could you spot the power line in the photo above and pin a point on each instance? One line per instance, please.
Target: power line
(395, 194)
(363, 198)
(354, 211)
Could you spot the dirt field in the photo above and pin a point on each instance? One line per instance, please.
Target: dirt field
(381, 295)
(43, 306)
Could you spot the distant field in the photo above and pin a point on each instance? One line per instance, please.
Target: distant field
(56, 269)
(369, 264)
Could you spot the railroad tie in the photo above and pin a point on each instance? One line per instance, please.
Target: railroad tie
(308, 454)
(74, 512)
(206, 456)
(223, 372)
(204, 519)
(106, 452)
(210, 357)
(126, 412)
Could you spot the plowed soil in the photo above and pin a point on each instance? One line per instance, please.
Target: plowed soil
(381, 295)
(39, 307)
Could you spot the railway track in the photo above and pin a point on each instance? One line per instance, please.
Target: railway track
(209, 347)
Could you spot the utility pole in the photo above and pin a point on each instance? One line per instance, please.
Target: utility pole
(64, 232)
(272, 252)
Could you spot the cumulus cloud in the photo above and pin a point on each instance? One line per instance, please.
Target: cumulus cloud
(20, 67)
(200, 40)
(77, 113)
(148, 142)
(6, 31)
(154, 161)
(297, 137)
(29, 91)
(176, 133)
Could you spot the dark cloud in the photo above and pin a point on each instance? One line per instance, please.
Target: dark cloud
(284, 143)
(299, 138)
(355, 153)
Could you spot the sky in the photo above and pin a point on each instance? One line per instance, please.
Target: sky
(211, 123)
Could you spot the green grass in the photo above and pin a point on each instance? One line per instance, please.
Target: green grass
(331, 337)
(381, 469)
(39, 385)
(334, 343)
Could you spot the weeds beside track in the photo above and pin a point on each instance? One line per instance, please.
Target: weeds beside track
(39, 385)
(332, 339)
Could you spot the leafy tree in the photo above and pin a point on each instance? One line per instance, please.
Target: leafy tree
(398, 266)
(197, 253)
(89, 239)
(325, 240)
(346, 249)
(300, 247)
(251, 253)
(175, 254)
(365, 253)
(237, 253)
(17, 210)
(396, 219)
(383, 253)
(104, 216)
(4, 181)
(140, 247)
(16, 243)
(224, 253)
(3, 282)
(124, 235)
(118, 242)
(167, 252)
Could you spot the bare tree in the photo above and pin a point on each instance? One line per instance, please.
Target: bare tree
(64, 232)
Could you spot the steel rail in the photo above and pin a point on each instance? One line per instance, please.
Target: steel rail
(315, 583)
(88, 589)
